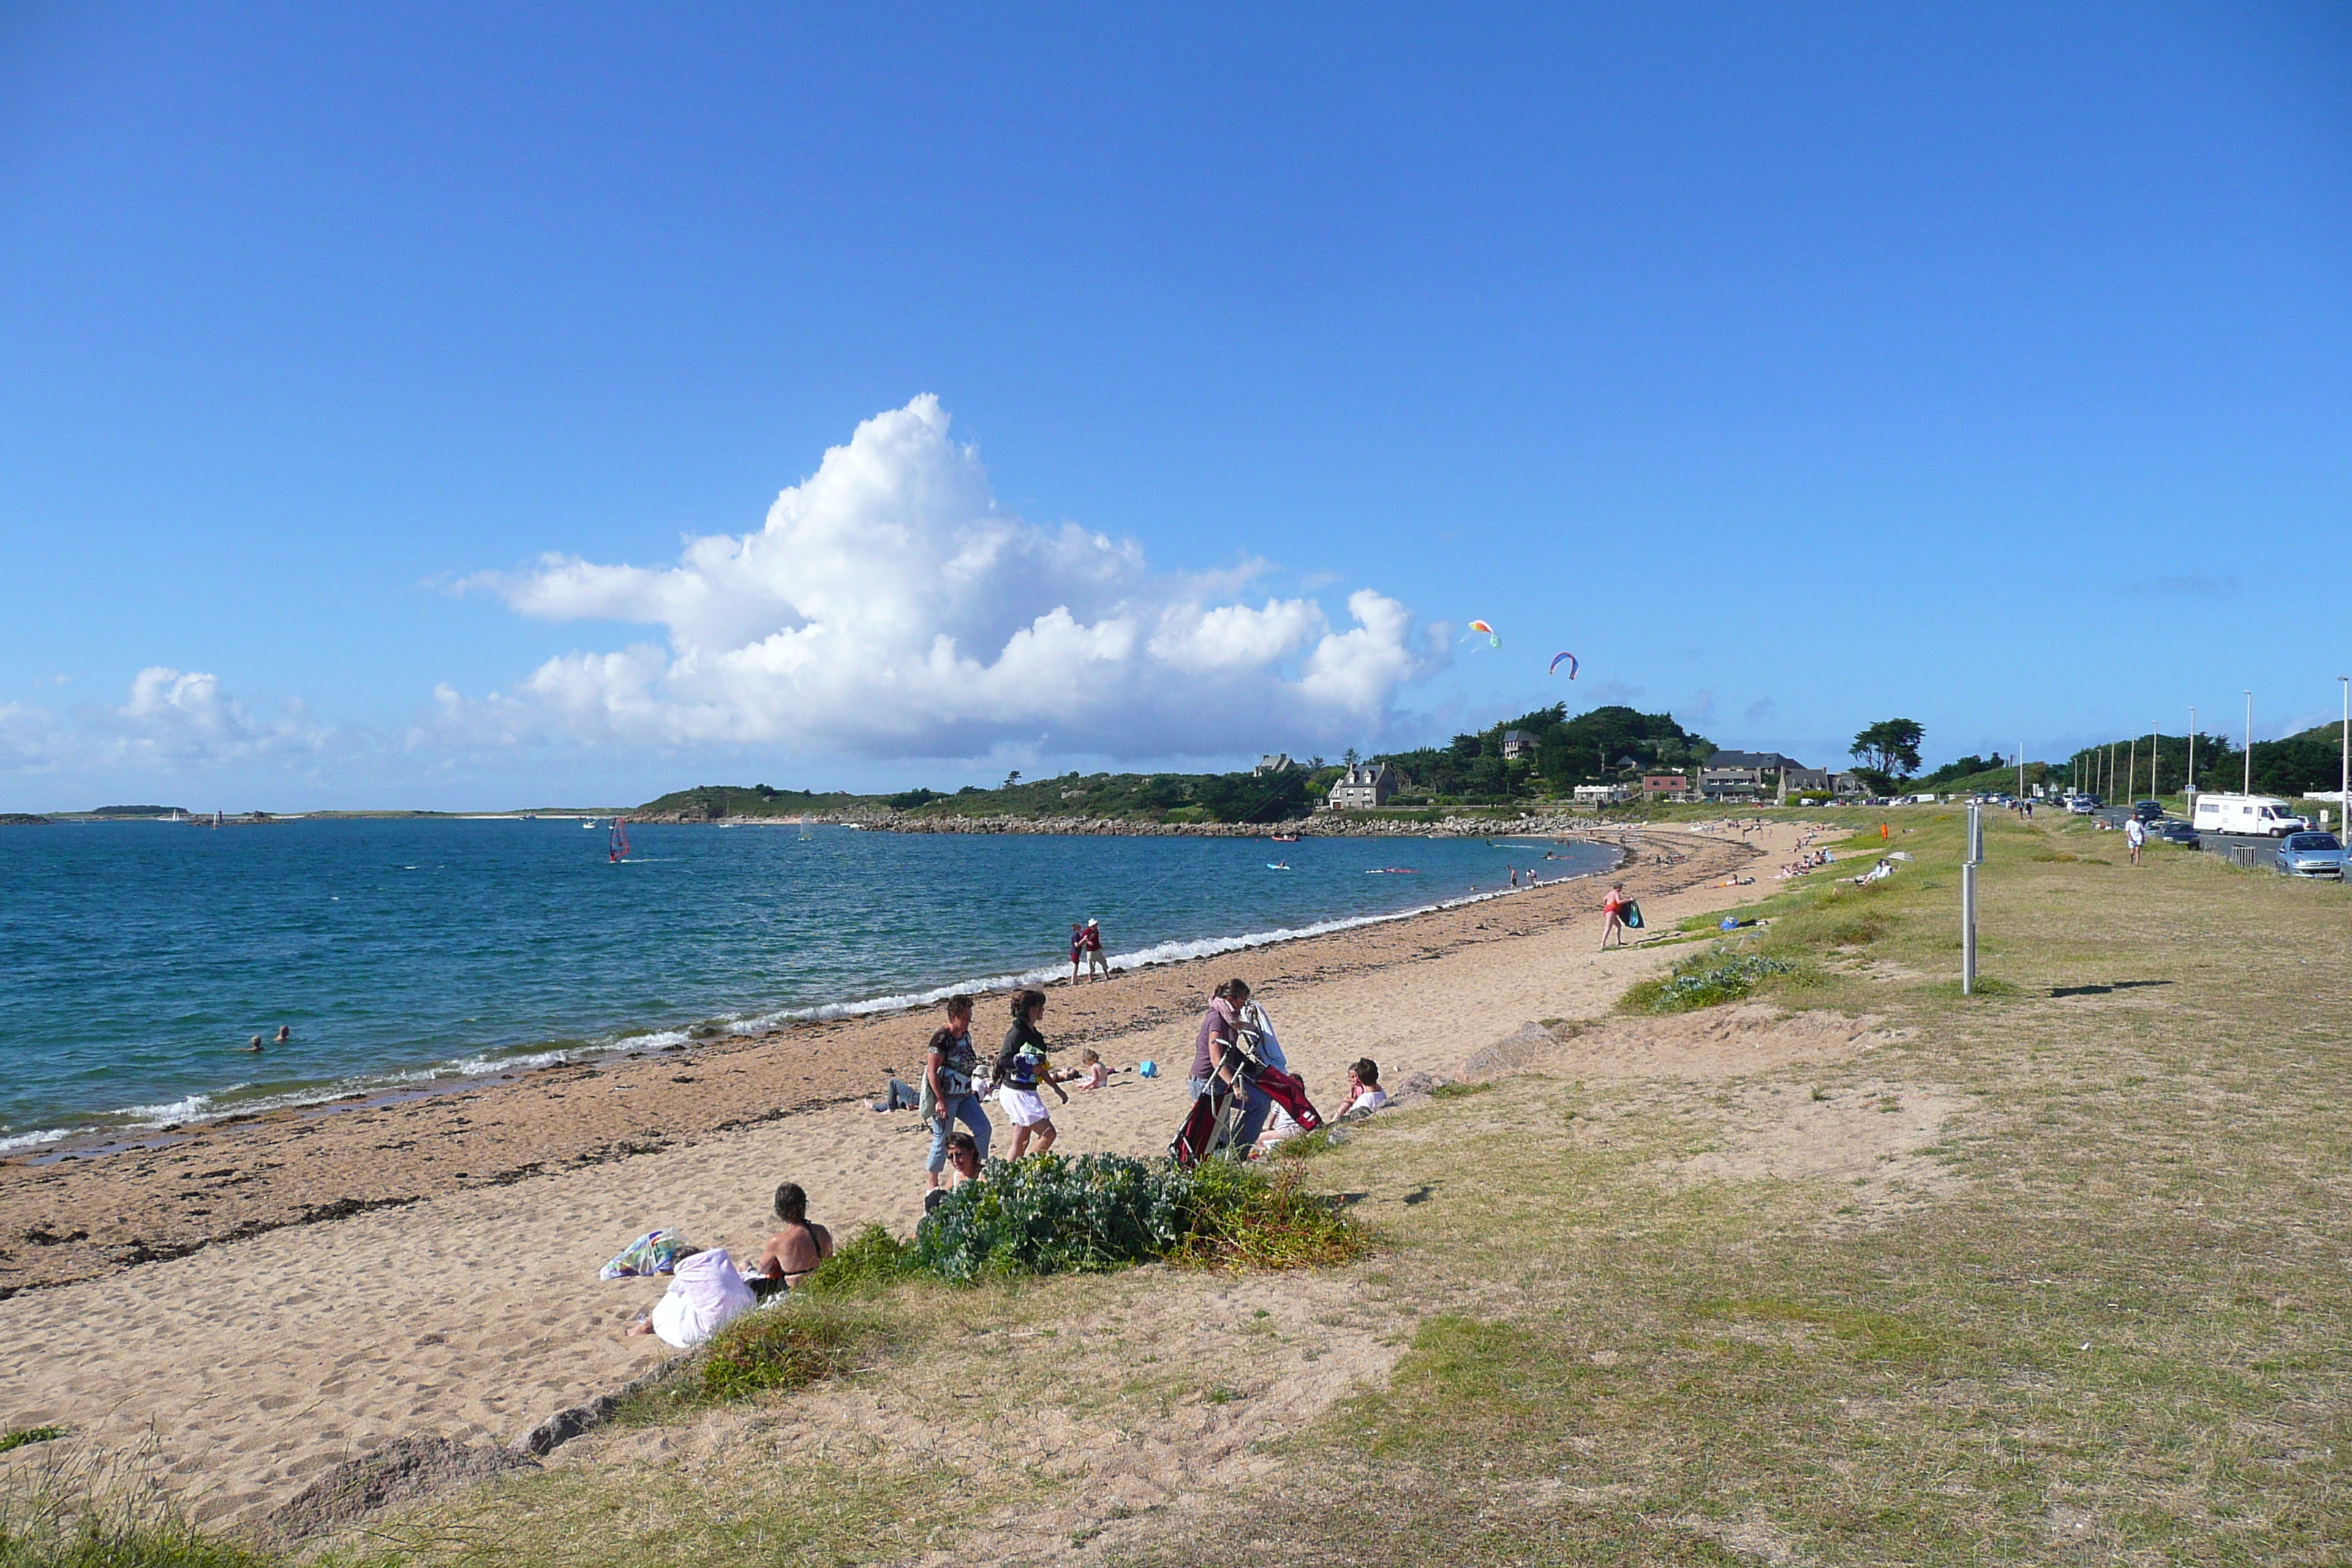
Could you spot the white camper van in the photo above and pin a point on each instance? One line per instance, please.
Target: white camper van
(2260, 814)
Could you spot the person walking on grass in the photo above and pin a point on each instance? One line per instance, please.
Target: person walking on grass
(2135, 836)
(1612, 915)
(1017, 1068)
(949, 1094)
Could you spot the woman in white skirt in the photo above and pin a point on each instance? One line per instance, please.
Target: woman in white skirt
(1018, 1076)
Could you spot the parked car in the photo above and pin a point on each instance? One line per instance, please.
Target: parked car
(2175, 831)
(2084, 804)
(2311, 855)
(2148, 810)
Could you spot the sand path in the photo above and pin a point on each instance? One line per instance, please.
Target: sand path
(251, 1366)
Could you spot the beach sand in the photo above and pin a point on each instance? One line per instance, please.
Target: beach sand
(430, 1266)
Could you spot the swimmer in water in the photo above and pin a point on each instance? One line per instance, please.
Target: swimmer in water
(285, 1034)
(255, 1046)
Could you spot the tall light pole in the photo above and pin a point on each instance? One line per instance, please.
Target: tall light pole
(2192, 757)
(2344, 781)
(2250, 743)
(2154, 752)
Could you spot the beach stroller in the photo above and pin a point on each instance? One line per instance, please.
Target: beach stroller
(1210, 1126)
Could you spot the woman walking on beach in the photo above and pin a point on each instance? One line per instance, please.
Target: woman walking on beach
(1215, 1060)
(1612, 911)
(1016, 1076)
(947, 1093)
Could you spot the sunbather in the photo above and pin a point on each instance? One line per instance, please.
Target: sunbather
(794, 1251)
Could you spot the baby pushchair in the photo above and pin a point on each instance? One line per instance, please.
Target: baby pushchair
(1211, 1127)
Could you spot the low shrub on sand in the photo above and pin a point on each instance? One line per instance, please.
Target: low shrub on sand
(1052, 1215)
(1096, 1212)
(1708, 981)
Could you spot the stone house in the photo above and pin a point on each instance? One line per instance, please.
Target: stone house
(1363, 787)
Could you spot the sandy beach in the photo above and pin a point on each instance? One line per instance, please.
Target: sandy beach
(262, 1299)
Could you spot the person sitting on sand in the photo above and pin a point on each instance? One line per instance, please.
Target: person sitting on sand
(1365, 1094)
(1016, 1076)
(1281, 1125)
(963, 1162)
(1089, 1073)
(704, 1292)
(794, 1251)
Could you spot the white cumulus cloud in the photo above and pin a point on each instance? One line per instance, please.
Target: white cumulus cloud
(889, 607)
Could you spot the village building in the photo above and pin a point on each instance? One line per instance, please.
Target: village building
(1665, 787)
(1604, 794)
(1272, 763)
(1517, 744)
(1364, 787)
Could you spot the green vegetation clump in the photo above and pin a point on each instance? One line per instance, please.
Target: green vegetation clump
(1055, 1216)
(16, 1438)
(788, 1345)
(1705, 981)
(1241, 1217)
(1099, 1212)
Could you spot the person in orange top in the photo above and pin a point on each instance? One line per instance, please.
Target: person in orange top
(1613, 909)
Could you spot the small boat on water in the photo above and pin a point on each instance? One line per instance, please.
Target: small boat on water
(1393, 871)
(1277, 865)
(1283, 839)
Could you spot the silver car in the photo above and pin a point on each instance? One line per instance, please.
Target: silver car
(2311, 855)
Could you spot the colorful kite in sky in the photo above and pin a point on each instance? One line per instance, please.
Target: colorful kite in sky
(1559, 658)
(1492, 635)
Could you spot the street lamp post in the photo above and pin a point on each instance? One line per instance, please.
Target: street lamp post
(2192, 760)
(2344, 780)
(2250, 743)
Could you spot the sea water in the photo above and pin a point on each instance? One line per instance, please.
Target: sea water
(136, 958)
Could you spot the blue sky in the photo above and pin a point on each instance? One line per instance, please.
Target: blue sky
(1190, 380)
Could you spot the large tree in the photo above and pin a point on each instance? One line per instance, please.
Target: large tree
(1889, 748)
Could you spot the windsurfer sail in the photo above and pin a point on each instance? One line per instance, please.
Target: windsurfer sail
(617, 846)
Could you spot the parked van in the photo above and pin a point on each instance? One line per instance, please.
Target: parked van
(2264, 816)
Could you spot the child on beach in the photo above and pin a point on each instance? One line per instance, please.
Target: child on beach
(1089, 1073)
(1024, 1053)
(1365, 1094)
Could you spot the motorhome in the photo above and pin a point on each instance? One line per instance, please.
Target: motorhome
(2262, 816)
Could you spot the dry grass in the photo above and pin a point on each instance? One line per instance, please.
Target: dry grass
(2115, 1338)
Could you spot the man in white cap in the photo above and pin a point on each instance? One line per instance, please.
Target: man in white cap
(1096, 962)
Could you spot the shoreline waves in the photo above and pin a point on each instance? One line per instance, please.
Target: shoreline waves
(111, 1131)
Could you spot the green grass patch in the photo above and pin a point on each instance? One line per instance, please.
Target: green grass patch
(1247, 1216)
(788, 1345)
(1707, 981)
(1458, 1090)
(17, 1438)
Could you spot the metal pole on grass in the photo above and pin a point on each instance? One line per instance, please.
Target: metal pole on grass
(2250, 743)
(1968, 900)
(2192, 761)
